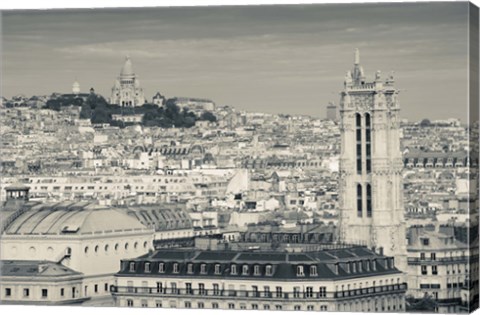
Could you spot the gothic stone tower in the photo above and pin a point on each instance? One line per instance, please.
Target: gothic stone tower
(371, 192)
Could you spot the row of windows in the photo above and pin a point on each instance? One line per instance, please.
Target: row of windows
(116, 247)
(425, 271)
(26, 293)
(215, 305)
(372, 305)
(257, 270)
(216, 290)
(246, 270)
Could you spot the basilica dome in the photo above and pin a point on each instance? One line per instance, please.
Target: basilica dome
(127, 69)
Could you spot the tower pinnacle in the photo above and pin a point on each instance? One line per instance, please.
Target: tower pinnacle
(357, 56)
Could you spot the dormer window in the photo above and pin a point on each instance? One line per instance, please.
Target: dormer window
(190, 268)
(233, 269)
(218, 270)
(347, 267)
(300, 271)
(203, 268)
(256, 270)
(245, 270)
(132, 267)
(161, 267)
(269, 270)
(374, 265)
(313, 271)
(367, 265)
(147, 267)
(360, 266)
(175, 268)
(354, 267)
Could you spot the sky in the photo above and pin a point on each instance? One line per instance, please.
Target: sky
(287, 59)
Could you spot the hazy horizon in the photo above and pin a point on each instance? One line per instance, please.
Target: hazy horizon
(287, 59)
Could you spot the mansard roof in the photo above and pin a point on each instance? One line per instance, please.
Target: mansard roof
(34, 268)
(161, 217)
(345, 263)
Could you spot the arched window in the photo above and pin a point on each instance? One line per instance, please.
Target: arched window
(368, 148)
(161, 267)
(369, 200)
(300, 271)
(268, 270)
(358, 125)
(359, 201)
(176, 268)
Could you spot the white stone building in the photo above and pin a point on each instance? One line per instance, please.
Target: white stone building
(126, 91)
(370, 183)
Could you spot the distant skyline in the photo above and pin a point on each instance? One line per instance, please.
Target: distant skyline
(276, 59)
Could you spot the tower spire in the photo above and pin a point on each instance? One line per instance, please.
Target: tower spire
(357, 56)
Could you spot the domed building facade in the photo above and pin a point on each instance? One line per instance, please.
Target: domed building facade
(83, 236)
(126, 90)
(76, 88)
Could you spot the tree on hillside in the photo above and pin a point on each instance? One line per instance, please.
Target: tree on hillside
(425, 123)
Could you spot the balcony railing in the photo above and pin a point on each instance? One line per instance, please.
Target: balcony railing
(372, 290)
(442, 260)
(257, 294)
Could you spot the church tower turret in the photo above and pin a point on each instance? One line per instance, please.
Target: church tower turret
(371, 191)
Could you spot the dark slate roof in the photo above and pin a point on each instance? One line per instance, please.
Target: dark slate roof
(330, 263)
(215, 256)
(161, 217)
(34, 268)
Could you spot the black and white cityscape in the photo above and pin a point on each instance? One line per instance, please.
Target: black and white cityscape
(280, 157)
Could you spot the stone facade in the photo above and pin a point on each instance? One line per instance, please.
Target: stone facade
(126, 91)
(371, 196)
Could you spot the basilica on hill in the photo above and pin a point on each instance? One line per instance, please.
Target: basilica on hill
(126, 90)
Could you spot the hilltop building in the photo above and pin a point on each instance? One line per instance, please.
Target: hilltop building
(126, 91)
(76, 88)
(370, 183)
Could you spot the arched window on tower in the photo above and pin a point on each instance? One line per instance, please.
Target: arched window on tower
(368, 148)
(358, 124)
(369, 200)
(359, 201)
